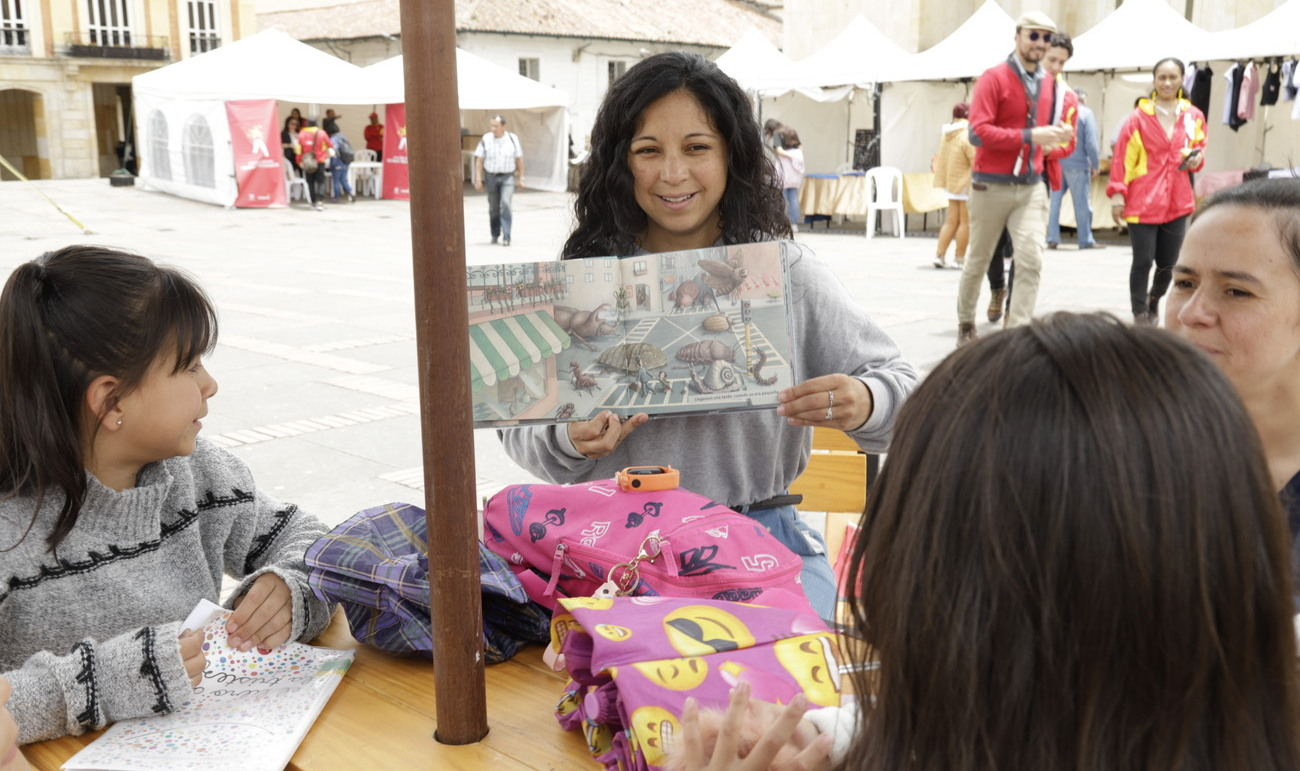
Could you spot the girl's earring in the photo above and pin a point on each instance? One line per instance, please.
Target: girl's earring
(119, 422)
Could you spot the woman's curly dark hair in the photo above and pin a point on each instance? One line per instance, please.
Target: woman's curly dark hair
(609, 219)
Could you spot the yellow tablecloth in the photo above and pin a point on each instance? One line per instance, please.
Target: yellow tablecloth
(846, 194)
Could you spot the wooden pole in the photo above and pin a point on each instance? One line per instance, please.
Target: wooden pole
(442, 339)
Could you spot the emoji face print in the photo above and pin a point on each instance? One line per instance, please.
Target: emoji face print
(811, 659)
(655, 729)
(612, 632)
(675, 674)
(698, 630)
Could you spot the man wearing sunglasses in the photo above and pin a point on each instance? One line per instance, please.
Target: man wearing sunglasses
(1011, 126)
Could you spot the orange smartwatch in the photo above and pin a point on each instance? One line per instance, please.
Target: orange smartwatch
(647, 478)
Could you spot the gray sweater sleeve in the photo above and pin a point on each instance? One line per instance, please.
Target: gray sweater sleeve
(136, 674)
(282, 533)
(267, 536)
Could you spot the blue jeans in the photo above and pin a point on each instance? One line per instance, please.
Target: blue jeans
(339, 175)
(817, 577)
(500, 189)
(792, 204)
(1079, 183)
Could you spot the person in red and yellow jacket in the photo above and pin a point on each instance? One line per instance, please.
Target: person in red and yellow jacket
(314, 142)
(1007, 187)
(1158, 147)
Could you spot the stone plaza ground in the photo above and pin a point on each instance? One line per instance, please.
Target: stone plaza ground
(317, 359)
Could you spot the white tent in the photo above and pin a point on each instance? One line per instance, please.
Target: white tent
(1274, 34)
(859, 55)
(981, 41)
(756, 64)
(1135, 36)
(182, 132)
(537, 113)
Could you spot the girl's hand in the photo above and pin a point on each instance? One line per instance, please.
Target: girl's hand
(726, 755)
(599, 436)
(192, 655)
(834, 401)
(263, 617)
(1117, 212)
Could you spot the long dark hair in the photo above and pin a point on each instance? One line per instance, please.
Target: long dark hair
(66, 318)
(1075, 559)
(609, 221)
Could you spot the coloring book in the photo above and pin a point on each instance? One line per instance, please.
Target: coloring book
(249, 713)
(705, 330)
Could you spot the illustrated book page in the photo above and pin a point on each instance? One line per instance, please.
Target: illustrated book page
(706, 330)
(249, 713)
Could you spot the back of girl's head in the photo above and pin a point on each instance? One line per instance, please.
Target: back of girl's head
(789, 137)
(66, 318)
(608, 217)
(1279, 198)
(1074, 558)
(960, 110)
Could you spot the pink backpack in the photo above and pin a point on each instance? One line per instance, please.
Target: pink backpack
(570, 540)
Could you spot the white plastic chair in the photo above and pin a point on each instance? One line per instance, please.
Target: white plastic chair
(885, 194)
(293, 182)
(364, 156)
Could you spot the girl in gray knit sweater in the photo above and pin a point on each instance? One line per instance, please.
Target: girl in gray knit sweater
(115, 518)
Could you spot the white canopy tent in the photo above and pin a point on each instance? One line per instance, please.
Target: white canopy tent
(1124, 39)
(1274, 34)
(181, 127)
(537, 113)
(981, 41)
(860, 55)
(926, 85)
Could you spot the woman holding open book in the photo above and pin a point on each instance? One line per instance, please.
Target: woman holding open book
(677, 163)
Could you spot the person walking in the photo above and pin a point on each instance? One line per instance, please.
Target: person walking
(789, 162)
(952, 172)
(313, 157)
(499, 166)
(340, 160)
(1011, 126)
(1078, 170)
(1159, 146)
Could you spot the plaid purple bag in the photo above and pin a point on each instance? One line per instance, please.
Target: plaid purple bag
(570, 540)
(376, 565)
(634, 660)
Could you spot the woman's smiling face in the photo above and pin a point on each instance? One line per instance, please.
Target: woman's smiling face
(679, 173)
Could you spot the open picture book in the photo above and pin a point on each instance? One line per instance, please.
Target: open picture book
(249, 713)
(705, 330)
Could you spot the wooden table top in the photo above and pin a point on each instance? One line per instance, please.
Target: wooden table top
(382, 716)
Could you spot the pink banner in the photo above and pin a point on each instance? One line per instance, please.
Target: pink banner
(255, 141)
(396, 173)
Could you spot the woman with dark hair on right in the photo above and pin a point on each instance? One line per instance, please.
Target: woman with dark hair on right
(1060, 569)
(1236, 296)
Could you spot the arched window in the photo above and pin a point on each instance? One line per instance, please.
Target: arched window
(160, 162)
(197, 147)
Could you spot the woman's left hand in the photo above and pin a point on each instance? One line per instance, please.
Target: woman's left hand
(833, 401)
(263, 617)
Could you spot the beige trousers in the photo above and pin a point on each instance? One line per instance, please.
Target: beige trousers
(1022, 210)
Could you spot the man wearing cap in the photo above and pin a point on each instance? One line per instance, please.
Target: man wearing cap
(374, 136)
(1011, 124)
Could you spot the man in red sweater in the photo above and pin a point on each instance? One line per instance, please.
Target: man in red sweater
(1011, 125)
